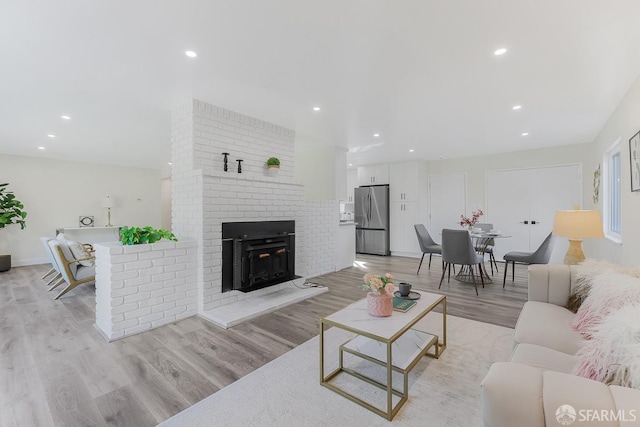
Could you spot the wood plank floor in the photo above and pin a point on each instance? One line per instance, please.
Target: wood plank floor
(56, 369)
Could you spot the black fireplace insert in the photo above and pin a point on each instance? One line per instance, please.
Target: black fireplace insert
(257, 254)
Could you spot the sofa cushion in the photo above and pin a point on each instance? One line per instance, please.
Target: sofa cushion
(512, 396)
(547, 325)
(543, 358)
(581, 394)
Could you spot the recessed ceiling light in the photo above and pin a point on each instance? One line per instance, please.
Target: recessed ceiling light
(40, 148)
(350, 164)
(500, 51)
(316, 108)
(169, 163)
(375, 135)
(517, 107)
(51, 135)
(65, 117)
(190, 53)
(524, 133)
(412, 150)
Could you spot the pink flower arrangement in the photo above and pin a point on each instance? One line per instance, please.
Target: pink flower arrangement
(379, 284)
(470, 222)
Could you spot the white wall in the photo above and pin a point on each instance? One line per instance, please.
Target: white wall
(316, 169)
(476, 167)
(55, 193)
(623, 124)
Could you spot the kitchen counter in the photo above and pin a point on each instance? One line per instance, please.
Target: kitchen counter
(348, 222)
(346, 250)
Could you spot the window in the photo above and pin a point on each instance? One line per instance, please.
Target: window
(611, 193)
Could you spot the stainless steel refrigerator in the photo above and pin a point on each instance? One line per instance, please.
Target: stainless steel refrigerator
(372, 219)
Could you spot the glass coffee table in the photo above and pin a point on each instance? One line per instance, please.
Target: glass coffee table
(390, 342)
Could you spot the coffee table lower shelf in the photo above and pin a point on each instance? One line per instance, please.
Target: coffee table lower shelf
(406, 352)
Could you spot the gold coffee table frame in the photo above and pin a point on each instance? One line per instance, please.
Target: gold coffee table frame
(402, 324)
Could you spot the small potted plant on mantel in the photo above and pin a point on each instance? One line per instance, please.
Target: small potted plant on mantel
(273, 166)
(11, 212)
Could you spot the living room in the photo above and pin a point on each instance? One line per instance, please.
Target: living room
(88, 158)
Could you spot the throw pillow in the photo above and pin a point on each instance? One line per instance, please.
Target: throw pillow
(585, 272)
(609, 291)
(612, 355)
(79, 251)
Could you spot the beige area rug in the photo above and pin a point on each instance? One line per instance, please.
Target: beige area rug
(287, 391)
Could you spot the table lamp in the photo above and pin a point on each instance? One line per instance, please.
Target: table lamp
(108, 203)
(577, 224)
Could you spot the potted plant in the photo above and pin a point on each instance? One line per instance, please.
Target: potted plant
(137, 235)
(11, 212)
(273, 165)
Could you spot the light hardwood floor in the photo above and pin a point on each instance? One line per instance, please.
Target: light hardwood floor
(57, 370)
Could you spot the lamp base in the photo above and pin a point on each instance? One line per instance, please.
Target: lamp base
(108, 218)
(574, 253)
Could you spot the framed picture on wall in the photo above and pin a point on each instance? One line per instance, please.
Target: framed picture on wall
(634, 156)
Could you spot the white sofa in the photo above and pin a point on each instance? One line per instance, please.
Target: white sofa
(529, 389)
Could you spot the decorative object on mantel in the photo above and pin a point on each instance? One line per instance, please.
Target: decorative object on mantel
(273, 166)
(137, 235)
(226, 161)
(86, 221)
(239, 165)
(634, 158)
(108, 203)
(380, 296)
(471, 222)
(11, 212)
(596, 185)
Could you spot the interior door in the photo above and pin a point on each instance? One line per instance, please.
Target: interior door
(447, 201)
(522, 203)
(507, 208)
(554, 188)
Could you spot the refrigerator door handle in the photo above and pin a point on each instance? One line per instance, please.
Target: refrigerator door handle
(369, 212)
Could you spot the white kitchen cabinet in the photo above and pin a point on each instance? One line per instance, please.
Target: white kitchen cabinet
(404, 182)
(352, 183)
(402, 234)
(373, 175)
(346, 253)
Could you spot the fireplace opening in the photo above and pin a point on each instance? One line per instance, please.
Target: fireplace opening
(257, 254)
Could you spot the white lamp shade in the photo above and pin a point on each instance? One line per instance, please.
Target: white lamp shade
(108, 202)
(578, 224)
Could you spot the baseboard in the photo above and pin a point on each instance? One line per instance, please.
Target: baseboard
(28, 261)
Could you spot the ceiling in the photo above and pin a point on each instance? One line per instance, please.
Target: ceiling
(420, 73)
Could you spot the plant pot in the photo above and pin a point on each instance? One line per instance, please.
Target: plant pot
(5, 263)
(379, 305)
(273, 171)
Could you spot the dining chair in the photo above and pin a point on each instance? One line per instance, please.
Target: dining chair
(427, 245)
(457, 248)
(73, 273)
(540, 256)
(486, 244)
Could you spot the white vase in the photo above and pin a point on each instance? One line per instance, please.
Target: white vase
(273, 171)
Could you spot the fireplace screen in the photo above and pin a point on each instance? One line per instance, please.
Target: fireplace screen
(257, 254)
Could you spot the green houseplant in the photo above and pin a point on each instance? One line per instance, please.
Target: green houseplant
(273, 162)
(11, 212)
(138, 235)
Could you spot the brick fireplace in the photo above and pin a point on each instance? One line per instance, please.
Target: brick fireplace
(205, 196)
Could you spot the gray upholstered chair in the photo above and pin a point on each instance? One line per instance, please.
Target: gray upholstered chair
(72, 271)
(427, 245)
(486, 244)
(458, 249)
(540, 256)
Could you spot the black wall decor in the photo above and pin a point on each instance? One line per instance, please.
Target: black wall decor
(239, 165)
(226, 161)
